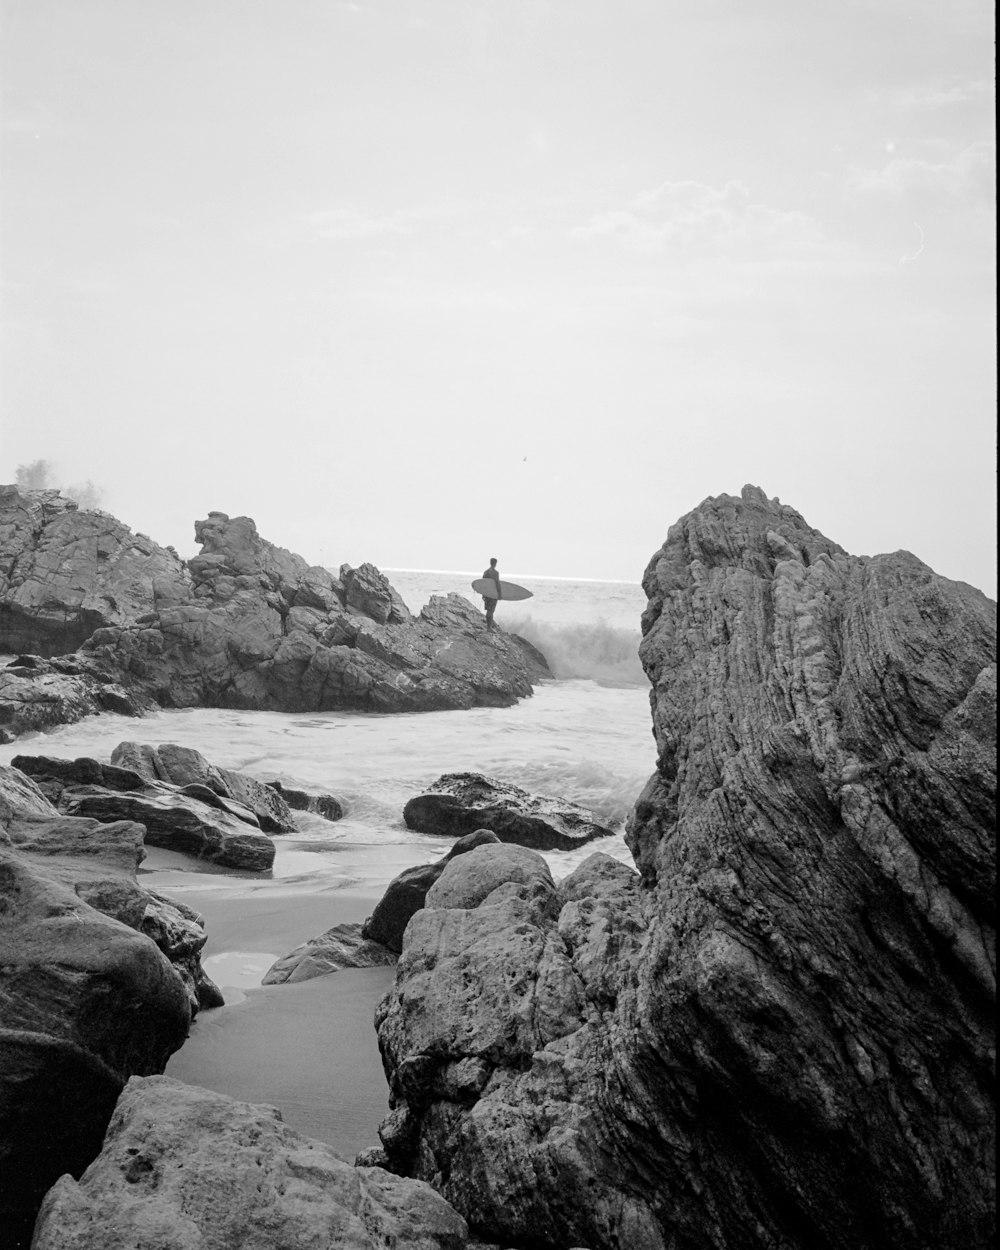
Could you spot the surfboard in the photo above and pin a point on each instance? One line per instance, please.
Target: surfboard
(508, 590)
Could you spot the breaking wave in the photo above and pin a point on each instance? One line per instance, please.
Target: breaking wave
(607, 654)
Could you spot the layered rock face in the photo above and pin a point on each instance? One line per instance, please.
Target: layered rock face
(781, 1032)
(183, 1167)
(65, 572)
(264, 630)
(99, 980)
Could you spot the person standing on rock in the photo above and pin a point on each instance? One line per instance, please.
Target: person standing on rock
(491, 604)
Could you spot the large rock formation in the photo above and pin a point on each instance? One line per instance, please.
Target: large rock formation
(66, 571)
(458, 804)
(244, 624)
(99, 980)
(184, 1167)
(781, 1033)
(38, 694)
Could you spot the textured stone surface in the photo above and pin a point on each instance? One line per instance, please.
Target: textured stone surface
(99, 980)
(38, 694)
(264, 630)
(191, 819)
(405, 894)
(782, 1033)
(65, 572)
(343, 946)
(184, 766)
(184, 1168)
(459, 803)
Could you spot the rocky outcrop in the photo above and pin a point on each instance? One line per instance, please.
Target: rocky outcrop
(99, 980)
(405, 893)
(37, 694)
(459, 803)
(192, 819)
(244, 624)
(781, 1033)
(66, 571)
(182, 1166)
(264, 630)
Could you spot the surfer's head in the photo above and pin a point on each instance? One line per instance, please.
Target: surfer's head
(493, 562)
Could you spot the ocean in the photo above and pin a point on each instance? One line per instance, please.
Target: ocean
(585, 736)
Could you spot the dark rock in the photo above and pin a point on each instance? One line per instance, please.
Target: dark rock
(217, 830)
(37, 694)
(459, 803)
(324, 805)
(65, 572)
(183, 1166)
(265, 631)
(99, 980)
(781, 1034)
(405, 894)
(249, 799)
(343, 946)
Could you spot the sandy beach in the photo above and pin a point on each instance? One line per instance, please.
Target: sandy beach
(309, 1049)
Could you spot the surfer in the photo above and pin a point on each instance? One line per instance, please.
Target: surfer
(489, 602)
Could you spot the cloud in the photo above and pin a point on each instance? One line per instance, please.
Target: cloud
(693, 217)
(352, 223)
(970, 177)
(935, 97)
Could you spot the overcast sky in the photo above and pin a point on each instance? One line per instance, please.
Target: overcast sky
(425, 281)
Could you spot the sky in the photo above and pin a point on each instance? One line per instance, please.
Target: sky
(422, 282)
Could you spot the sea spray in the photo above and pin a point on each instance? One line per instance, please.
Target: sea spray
(604, 653)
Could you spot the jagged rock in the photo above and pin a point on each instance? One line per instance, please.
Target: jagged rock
(265, 631)
(782, 1033)
(405, 894)
(191, 819)
(343, 946)
(185, 767)
(38, 694)
(325, 805)
(459, 803)
(184, 1167)
(65, 572)
(367, 589)
(99, 980)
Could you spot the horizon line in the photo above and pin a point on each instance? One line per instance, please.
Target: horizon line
(547, 577)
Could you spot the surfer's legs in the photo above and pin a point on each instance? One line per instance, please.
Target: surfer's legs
(491, 607)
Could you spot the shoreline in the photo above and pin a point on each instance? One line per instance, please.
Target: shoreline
(308, 1048)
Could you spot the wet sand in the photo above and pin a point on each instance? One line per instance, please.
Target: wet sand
(309, 1049)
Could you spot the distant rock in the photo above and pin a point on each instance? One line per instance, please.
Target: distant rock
(244, 624)
(190, 819)
(325, 805)
(99, 980)
(781, 1032)
(459, 803)
(182, 1166)
(66, 571)
(405, 893)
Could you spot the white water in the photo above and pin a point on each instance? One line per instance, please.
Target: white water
(585, 736)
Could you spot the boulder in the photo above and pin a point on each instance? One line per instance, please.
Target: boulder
(190, 819)
(325, 805)
(38, 694)
(99, 980)
(780, 1032)
(66, 571)
(368, 590)
(405, 894)
(184, 1167)
(459, 803)
(183, 766)
(343, 946)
